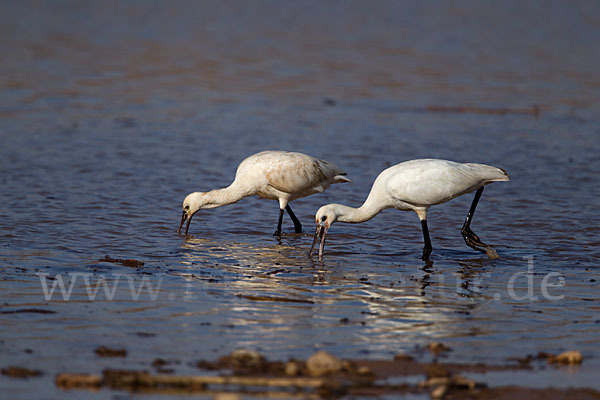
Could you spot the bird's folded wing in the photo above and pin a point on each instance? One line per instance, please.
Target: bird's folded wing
(301, 174)
(429, 186)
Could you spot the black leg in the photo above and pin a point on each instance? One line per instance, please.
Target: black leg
(471, 239)
(297, 224)
(473, 207)
(278, 231)
(427, 248)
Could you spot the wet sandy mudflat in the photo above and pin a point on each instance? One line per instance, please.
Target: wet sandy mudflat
(247, 373)
(110, 113)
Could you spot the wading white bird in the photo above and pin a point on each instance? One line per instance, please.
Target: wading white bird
(415, 186)
(274, 175)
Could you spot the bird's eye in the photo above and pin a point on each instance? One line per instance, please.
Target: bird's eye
(324, 218)
(186, 207)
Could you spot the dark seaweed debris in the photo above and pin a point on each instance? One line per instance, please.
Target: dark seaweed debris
(104, 351)
(20, 372)
(29, 310)
(126, 262)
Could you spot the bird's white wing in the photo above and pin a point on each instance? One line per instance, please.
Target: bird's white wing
(429, 182)
(296, 172)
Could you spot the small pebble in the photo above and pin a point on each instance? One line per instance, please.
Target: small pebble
(402, 357)
(322, 363)
(364, 370)
(437, 348)
(292, 368)
(244, 361)
(439, 392)
(568, 357)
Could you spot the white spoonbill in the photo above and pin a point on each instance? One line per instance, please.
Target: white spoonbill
(415, 186)
(274, 175)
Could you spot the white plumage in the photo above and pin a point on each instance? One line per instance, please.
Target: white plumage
(417, 185)
(274, 175)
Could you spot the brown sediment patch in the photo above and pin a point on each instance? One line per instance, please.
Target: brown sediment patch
(142, 381)
(437, 348)
(159, 362)
(20, 372)
(125, 262)
(322, 375)
(104, 351)
(534, 110)
(161, 366)
(407, 367)
(78, 381)
(403, 357)
(518, 392)
(566, 358)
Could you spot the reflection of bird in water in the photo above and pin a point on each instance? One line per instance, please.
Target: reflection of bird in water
(273, 293)
(274, 175)
(415, 186)
(251, 257)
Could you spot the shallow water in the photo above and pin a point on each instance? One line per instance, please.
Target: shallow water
(111, 113)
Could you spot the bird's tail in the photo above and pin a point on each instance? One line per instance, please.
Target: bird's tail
(341, 178)
(489, 173)
(506, 177)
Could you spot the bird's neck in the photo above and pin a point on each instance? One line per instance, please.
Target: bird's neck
(370, 208)
(228, 195)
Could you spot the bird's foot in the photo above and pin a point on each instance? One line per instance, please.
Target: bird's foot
(470, 237)
(473, 241)
(298, 229)
(277, 233)
(491, 253)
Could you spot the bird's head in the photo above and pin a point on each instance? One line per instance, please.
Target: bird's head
(324, 218)
(327, 215)
(192, 203)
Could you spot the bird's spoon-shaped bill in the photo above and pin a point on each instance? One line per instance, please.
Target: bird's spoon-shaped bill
(187, 226)
(319, 234)
(183, 217)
